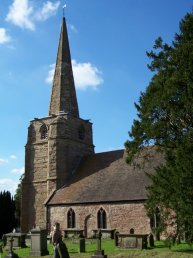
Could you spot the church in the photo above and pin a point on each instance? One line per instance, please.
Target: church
(65, 181)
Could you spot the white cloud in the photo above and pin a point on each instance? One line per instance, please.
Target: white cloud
(50, 76)
(7, 184)
(49, 9)
(23, 14)
(73, 28)
(3, 161)
(20, 14)
(85, 75)
(19, 171)
(4, 37)
(12, 157)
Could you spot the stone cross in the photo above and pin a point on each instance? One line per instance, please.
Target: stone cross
(99, 235)
(11, 254)
(11, 245)
(99, 253)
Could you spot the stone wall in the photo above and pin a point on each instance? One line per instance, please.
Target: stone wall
(50, 161)
(121, 217)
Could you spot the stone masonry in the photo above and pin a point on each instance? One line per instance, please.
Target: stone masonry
(62, 171)
(121, 217)
(55, 144)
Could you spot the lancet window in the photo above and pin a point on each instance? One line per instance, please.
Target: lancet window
(71, 219)
(102, 218)
(44, 132)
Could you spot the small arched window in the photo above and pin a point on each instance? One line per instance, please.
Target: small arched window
(44, 132)
(81, 132)
(101, 218)
(155, 222)
(71, 219)
(155, 219)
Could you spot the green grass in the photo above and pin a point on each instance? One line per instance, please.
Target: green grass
(160, 251)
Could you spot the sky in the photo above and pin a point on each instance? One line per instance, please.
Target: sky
(108, 41)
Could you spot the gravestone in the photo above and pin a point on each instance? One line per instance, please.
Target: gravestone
(129, 242)
(82, 245)
(18, 239)
(151, 240)
(132, 241)
(11, 254)
(99, 253)
(38, 242)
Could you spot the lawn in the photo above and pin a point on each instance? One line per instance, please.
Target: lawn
(160, 251)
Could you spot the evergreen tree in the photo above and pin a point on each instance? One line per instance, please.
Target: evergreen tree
(7, 213)
(17, 199)
(165, 119)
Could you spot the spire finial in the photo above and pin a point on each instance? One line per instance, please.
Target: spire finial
(64, 6)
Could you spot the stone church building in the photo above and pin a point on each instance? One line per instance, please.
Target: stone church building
(65, 181)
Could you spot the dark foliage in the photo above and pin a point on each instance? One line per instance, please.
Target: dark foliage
(165, 119)
(17, 199)
(7, 213)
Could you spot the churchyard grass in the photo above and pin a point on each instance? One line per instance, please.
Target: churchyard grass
(160, 251)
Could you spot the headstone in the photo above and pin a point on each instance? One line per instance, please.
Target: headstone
(99, 253)
(116, 238)
(137, 241)
(19, 239)
(129, 242)
(82, 245)
(11, 254)
(151, 240)
(38, 242)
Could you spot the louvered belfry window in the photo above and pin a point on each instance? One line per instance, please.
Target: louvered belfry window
(44, 132)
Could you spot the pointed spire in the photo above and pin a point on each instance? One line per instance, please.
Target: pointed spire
(63, 98)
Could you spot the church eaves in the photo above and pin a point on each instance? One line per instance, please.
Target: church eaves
(63, 97)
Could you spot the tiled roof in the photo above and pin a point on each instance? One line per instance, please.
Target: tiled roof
(106, 177)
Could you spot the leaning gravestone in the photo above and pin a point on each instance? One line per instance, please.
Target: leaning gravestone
(19, 239)
(11, 254)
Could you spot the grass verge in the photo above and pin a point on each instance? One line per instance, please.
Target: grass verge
(160, 251)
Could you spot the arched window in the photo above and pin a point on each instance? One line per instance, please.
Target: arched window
(155, 222)
(155, 219)
(44, 132)
(71, 219)
(81, 132)
(101, 218)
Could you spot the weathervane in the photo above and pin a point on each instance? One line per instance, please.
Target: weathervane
(64, 6)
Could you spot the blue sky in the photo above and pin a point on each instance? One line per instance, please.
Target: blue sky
(108, 41)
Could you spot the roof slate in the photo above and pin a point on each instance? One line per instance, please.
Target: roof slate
(106, 177)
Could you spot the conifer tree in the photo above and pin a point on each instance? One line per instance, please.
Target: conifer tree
(17, 200)
(165, 119)
(7, 213)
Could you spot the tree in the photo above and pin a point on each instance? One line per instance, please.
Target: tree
(17, 199)
(7, 213)
(165, 119)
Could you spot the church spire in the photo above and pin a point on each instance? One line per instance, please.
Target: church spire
(63, 97)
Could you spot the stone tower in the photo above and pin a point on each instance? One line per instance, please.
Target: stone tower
(55, 144)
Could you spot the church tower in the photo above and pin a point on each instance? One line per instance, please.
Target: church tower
(55, 144)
